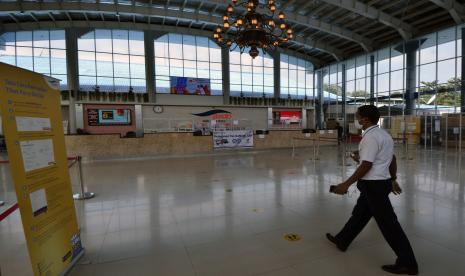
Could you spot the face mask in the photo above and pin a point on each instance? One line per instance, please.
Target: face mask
(358, 125)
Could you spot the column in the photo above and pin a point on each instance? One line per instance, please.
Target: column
(409, 48)
(411, 81)
(462, 86)
(319, 104)
(225, 74)
(372, 79)
(72, 71)
(149, 37)
(277, 74)
(344, 96)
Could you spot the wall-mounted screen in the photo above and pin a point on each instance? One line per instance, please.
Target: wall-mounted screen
(102, 117)
(190, 86)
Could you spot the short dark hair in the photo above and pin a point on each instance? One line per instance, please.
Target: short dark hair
(369, 111)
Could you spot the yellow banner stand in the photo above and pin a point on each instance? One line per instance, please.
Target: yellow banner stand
(31, 115)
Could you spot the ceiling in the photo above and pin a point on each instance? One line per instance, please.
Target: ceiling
(326, 30)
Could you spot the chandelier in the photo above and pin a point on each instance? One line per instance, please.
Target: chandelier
(253, 30)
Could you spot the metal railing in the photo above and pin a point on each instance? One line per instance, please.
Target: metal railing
(81, 195)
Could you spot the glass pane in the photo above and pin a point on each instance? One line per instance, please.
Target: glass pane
(86, 63)
(41, 39)
(176, 68)
(87, 42)
(24, 58)
(202, 48)
(162, 47)
(24, 39)
(350, 69)
(427, 73)
(446, 70)
(122, 85)
(382, 83)
(42, 60)
(136, 43)
(137, 67)
(105, 84)
(163, 86)
(58, 62)
(8, 54)
(120, 41)
(203, 70)
(139, 85)
(87, 83)
(162, 67)
(191, 65)
(216, 71)
(121, 66)
(446, 50)
(104, 65)
(8, 39)
(284, 61)
(428, 55)
(292, 78)
(189, 48)
(285, 78)
(175, 47)
(57, 39)
(215, 52)
(103, 41)
(397, 80)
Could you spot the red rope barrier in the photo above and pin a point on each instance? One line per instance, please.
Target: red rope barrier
(8, 211)
(15, 206)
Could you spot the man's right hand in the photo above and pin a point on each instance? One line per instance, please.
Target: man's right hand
(355, 156)
(396, 188)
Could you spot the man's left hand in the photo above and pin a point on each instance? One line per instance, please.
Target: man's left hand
(341, 189)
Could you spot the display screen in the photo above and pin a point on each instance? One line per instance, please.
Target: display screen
(114, 116)
(190, 86)
(292, 116)
(97, 117)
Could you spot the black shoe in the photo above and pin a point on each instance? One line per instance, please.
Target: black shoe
(398, 269)
(332, 239)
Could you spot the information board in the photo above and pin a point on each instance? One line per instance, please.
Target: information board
(30, 105)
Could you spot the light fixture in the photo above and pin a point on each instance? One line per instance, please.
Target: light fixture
(254, 29)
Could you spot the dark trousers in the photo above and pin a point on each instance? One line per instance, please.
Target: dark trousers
(374, 202)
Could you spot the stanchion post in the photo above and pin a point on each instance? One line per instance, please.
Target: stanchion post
(83, 195)
(293, 147)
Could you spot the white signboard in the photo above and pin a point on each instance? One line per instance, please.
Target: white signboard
(37, 154)
(33, 124)
(233, 139)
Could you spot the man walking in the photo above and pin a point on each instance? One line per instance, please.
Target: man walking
(376, 179)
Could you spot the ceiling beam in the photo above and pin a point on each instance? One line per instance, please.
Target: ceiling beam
(83, 7)
(405, 30)
(455, 9)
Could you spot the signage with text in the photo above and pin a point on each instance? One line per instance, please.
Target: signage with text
(30, 105)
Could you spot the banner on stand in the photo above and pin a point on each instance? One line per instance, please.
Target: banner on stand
(233, 139)
(30, 106)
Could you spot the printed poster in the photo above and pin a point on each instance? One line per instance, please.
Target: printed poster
(232, 139)
(30, 108)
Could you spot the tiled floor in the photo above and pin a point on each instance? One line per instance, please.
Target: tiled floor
(227, 215)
